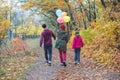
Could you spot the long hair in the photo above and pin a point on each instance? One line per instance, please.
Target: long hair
(62, 27)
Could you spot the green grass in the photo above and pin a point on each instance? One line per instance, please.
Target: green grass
(34, 43)
(88, 35)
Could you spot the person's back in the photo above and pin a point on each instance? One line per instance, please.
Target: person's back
(77, 42)
(63, 35)
(45, 38)
(47, 35)
(62, 46)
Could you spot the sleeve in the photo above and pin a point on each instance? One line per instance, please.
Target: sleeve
(73, 43)
(68, 37)
(53, 35)
(41, 39)
(82, 44)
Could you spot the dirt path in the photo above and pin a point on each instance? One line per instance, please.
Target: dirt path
(41, 71)
(87, 70)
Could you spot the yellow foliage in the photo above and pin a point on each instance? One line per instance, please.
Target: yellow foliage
(28, 5)
(71, 39)
(5, 23)
(104, 44)
(39, 30)
(32, 30)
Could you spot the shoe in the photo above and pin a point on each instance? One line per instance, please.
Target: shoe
(75, 63)
(64, 63)
(78, 63)
(46, 61)
(49, 63)
(61, 64)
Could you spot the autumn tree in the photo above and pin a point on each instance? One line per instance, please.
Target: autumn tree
(4, 22)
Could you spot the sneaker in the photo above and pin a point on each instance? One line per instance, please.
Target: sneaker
(75, 63)
(61, 64)
(46, 61)
(64, 63)
(78, 63)
(49, 63)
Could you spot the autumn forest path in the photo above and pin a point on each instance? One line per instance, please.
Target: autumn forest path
(87, 70)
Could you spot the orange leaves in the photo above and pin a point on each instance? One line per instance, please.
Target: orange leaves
(80, 15)
(15, 40)
(93, 24)
(79, 2)
(18, 44)
(14, 63)
(14, 67)
(65, 79)
(61, 4)
(104, 44)
(49, 4)
(27, 6)
(1, 28)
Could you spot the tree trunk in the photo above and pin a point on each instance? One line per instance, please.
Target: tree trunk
(85, 26)
(94, 11)
(84, 21)
(89, 11)
(103, 3)
(69, 25)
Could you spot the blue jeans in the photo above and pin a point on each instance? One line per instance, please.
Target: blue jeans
(77, 55)
(48, 52)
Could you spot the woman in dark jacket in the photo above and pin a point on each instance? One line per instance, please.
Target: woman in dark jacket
(61, 44)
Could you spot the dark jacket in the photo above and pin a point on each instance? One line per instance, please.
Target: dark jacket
(63, 38)
(46, 37)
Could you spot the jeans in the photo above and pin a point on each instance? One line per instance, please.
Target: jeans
(48, 52)
(77, 55)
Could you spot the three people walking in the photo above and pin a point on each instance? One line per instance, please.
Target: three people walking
(61, 44)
